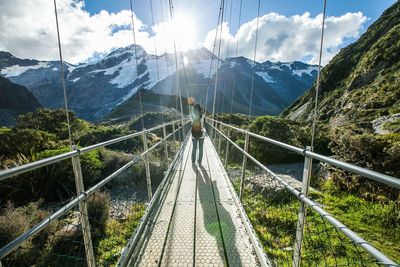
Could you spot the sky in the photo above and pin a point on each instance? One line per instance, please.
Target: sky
(288, 30)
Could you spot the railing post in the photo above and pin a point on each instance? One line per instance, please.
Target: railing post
(302, 211)
(173, 130)
(219, 140)
(147, 167)
(246, 147)
(165, 143)
(83, 210)
(227, 148)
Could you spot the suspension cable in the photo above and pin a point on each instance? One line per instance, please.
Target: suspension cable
(227, 52)
(171, 11)
(318, 77)
(136, 62)
(156, 57)
(212, 58)
(63, 78)
(165, 49)
(218, 58)
(254, 59)
(236, 54)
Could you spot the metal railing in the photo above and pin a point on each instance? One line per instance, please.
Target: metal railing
(84, 198)
(286, 203)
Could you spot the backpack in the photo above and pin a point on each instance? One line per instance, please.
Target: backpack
(196, 124)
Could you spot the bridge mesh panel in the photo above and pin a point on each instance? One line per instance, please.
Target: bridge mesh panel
(114, 210)
(59, 244)
(273, 211)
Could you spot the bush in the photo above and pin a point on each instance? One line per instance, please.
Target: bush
(13, 223)
(377, 152)
(98, 210)
(55, 182)
(286, 131)
(25, 141)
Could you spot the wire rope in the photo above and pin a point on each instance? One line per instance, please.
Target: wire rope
(218, 58)
(254, 59)
(156, 57)
(136, 62)
(212, 57)
(63, 77)
(178, 88)
(318, 77)
(236, 54)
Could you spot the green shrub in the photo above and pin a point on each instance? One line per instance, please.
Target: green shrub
(54, 182)
(286, 131)
(13, 223)
(25, 141)
(98, 210)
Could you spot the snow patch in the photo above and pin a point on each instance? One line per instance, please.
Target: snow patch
(266, 77)
(17, 70)
(305, 71)
(75, 80)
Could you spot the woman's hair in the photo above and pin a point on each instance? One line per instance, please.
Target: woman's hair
(198, 107)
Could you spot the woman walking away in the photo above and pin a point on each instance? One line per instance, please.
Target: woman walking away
(197, 117)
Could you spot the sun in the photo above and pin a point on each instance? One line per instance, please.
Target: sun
(182, 30)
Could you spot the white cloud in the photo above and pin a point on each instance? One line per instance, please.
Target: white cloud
(282, 38)
(29, 30)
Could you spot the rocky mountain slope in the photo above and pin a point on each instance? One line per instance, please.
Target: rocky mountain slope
(95, 89)
(361, 85)
(15, 100)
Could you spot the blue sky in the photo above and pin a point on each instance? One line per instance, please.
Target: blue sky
(208, 9)
(289, 29)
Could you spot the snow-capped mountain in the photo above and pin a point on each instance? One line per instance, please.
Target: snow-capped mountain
(96, 88)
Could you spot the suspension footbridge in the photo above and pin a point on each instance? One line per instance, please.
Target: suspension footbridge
(195, 215)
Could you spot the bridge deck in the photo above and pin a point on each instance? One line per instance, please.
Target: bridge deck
(197, 221)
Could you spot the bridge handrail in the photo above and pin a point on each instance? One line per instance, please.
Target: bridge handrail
(382, 258)
(376, 176)
(7, 249)
(5, 174)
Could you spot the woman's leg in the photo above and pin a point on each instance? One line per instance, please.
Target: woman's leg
(201, 142)
(194, 150)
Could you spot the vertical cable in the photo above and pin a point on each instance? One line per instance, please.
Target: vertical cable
(63, 78)
(254, 59)
(212, 58)
(236, 54)
(318, 77)
(156, 56)
(178, 87)
(136, 62)
(218, 58)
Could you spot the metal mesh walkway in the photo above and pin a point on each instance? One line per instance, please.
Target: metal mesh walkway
(197, 221)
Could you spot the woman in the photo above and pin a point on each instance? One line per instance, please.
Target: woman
(197, 117)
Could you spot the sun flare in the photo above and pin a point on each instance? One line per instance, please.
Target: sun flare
(181, 30)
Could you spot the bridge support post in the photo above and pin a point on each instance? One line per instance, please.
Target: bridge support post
(227, 149)
(165, 143)
(302, 211)
(244, 165)
(219, 140)
(173, 130)
(83, 210)
(147, 167)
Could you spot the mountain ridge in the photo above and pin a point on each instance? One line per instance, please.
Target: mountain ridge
(95, 89)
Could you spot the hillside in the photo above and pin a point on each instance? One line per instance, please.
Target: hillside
(96, 88)
(15, 100)
(360, 86)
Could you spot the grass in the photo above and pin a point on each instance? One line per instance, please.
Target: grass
(116, 235)
(274, 218)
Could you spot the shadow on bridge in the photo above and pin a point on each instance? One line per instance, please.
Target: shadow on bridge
(217, 220)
